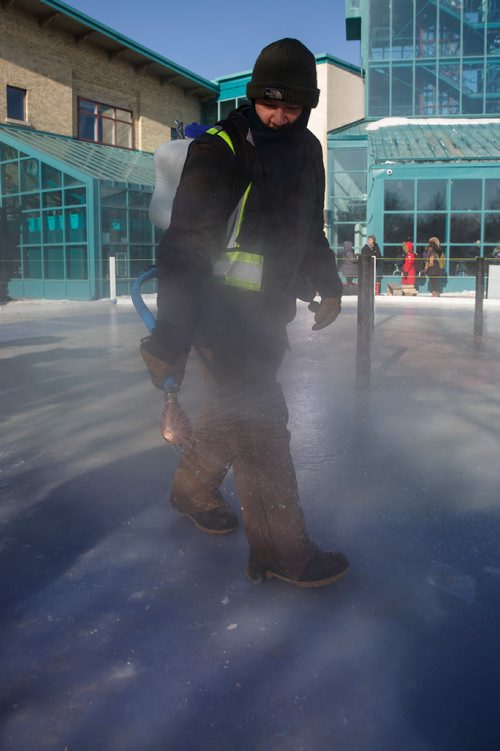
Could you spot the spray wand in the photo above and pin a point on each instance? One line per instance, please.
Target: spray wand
(175, 426)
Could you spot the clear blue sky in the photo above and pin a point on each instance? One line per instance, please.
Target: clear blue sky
(214, 38)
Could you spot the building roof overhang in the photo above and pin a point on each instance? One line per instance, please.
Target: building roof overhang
(434, 139)
(81, 158)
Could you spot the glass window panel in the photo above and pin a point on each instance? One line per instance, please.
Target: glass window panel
(106, 110)
(462, 261)
(493, 86)
(31, 227)
(465, 228)
(108, 131)
(473, 42)
(348, 184)
(76, 262)
(113, 196)
(431, 195)
(393, 255)
(430, 225)
(488, 250)
(16, 101)
(87, 106)
(76, 225)
(398, 195)
(139, 199)
(402, 91)
(124, 115)
(349, 159)
(87, 127)
(472, 88)
(209, 113)
(52, 198)
(69, 180)
(397, 227)
(493, 106)
(141, 229)
(226, 107)
(449, 89)
(425, 89)
(141, 259)
(30, 174)
(378, 103)
(402, 30)
(75, 196)
(492, 228)
(473, 11)
(465, 194)
(8, 152)
(449, 37)
(353, 209)
(54, 262)
(32, 263)
(492, 194)
(10, 177)
(493, 42)
(124, 135)
(51, 178)
(493, 11)
(114, 225)
(53, 226)
(14, 204)
(345, 232)
(426, 24)
(380, 30)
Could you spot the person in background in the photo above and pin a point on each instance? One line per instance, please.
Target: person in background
(408, 268)
(246, 233)
(348, 264)
(435, 246)
(433, 269)
(371, 248)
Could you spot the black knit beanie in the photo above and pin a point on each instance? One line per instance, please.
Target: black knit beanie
(285, 70)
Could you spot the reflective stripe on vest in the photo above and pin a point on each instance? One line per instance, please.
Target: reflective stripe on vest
(235, 267)
(239, 269)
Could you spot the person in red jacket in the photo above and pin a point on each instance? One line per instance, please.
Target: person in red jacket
(246, 234)
(408, 267)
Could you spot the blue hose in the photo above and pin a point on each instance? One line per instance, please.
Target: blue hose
(135, 292)
(147, 317)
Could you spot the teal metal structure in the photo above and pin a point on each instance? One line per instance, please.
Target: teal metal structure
(66, 206)
(426, 161)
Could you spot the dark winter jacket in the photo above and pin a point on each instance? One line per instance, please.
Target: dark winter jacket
(212, 182)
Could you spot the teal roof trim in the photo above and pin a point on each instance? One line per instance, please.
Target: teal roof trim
(324, 57)
(126, 42)
(91, 159)
(356, 130)
(435, 140)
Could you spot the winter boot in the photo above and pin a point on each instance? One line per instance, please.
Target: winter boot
(216, 521)
(323, 568)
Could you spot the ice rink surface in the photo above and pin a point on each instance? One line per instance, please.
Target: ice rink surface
(125, 629)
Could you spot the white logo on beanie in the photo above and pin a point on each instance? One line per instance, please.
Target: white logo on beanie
(271, 93)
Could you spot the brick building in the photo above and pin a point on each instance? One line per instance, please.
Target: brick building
(82, 108)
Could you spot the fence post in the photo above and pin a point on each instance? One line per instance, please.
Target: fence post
(480, 287)
(365, 321)
(112, 279)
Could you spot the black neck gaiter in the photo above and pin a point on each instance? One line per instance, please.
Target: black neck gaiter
(279, 187)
